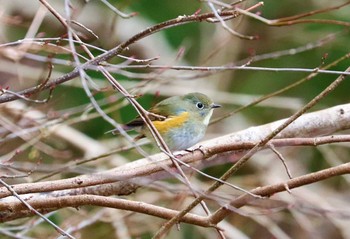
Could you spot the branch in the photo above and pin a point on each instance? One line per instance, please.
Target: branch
(46, 205)
(297, 19)
(28, 207)
(314, 124)
(244, 159)
(268, 191)
(181, 20)
(13, 210)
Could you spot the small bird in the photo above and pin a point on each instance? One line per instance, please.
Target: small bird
(182, 120)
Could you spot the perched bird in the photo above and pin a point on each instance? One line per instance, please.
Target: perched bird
(183, 120)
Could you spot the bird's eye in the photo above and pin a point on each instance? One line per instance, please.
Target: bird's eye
(200, 105)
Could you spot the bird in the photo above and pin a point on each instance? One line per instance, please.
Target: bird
(180, 120)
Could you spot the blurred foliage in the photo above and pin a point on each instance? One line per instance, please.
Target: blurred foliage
(204, 44)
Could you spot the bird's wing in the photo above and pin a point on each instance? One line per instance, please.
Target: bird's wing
(159, 112)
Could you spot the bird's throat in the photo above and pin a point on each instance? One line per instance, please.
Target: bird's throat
(207, 117)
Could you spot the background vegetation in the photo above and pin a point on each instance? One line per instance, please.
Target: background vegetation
(55, 131)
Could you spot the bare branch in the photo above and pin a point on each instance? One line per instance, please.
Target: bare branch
(47, 204)
(32, 210)
(297, 134)
(117, 50)
(272, 189)
(166, 227)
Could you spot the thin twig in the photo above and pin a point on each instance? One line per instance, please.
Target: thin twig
(280, 156)
(13, 192)
(116, 175)
(296, 19)
(224, 25)
(162, 212)
(118, 49)
(166, 227)
(284, 89)
(117, 11)
(266, 191)
(143, 113)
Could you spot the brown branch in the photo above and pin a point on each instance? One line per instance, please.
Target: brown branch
(5, 97)
(46, 205)
(296, 19)
(311, 13)
(243, 160)
(117, 50)
(268, 191)
(309, 125)
(27, 206)
(142, 112)
(284, 89)
(13, 210)
(280, 156)
(141, 169)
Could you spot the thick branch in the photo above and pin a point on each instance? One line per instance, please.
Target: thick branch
(267, 191)
(15, 209)
(322, 122)
(45, 205)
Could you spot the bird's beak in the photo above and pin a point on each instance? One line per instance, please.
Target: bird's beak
(213, 105)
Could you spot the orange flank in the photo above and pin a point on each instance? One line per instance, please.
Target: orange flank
(171, 122)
